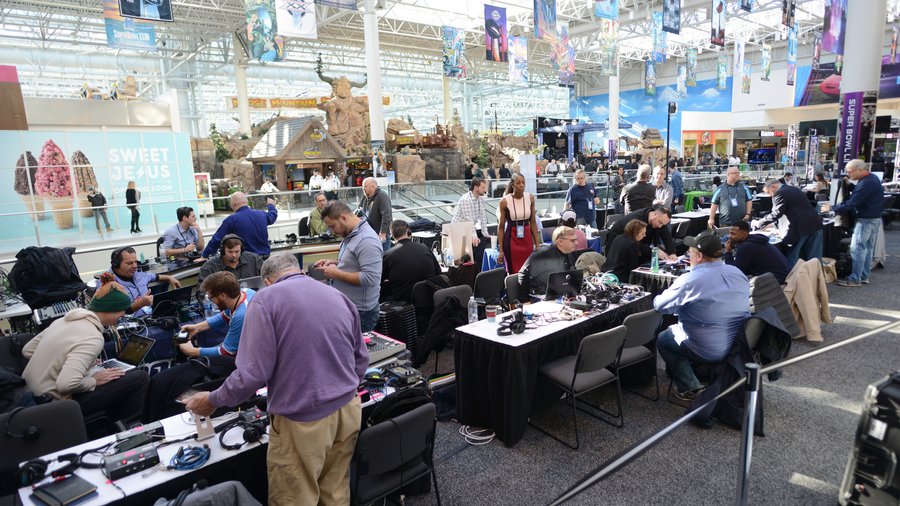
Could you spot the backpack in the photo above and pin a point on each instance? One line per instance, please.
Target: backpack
(44, 275)
(398, 403)
(447, 316)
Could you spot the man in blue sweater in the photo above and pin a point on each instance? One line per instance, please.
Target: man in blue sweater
(866, 202)
(249, 224)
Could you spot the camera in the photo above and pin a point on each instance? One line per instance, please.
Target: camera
(181, 337)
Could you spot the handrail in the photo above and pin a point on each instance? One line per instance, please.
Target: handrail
(626, 456)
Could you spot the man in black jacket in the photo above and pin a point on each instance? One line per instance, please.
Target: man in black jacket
(538, 267)
(804, 237)
(639, 194)
(658, 234)
(98, 203)
(752, 253)
(405, 264)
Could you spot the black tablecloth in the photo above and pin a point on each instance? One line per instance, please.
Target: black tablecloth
(653, 283)
(497, 385)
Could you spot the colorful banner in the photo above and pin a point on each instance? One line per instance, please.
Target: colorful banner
(849, 129)
(127, 33)
(788, 8)
(824, 86)
(681, 83)
(287, 103)
(791, 55)
(691, 67)
(834, 26)
(766, 63)
(793, 144)
(747, 5)
(717, 30)
(649, 77)
(454, 52)
(518, 60)
(671, 21)
(563, 56)
(611, 150)
(659, 38)
(812, 154)
(495, 34)
(340, 4)
(817, 51)
(262, 31)
(745, 76)
(722, 73)
(545, 20)
(150, 10)
(738, 56)
(895, 32)
(606, 9)
(609, 47)
(296, 18)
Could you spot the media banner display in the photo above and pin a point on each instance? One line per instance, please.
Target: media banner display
(788, 9)
(855, 127)
(817, 51)
(296, 18)
(563, 56)
(127, 33)
(606, 9)
(834, 26)
(691, 67)
(717, 30)
(765, 66)
(262, 31)
(672, 16)
(813, 155)
(824, 85)
(518, 60)
(745, 76)
(151, 10)
(895, 33)
(792, 145)
(738, 56)
(659, 38)
(455, 63)
(495, 34)
(545, 20)
(611, 151)
(747, 5)
(681, 83)
(649, 77)
(722, 73)
(791, 55)
(609, 47)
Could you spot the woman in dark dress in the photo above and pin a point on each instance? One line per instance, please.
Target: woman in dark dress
(627, 252)
(131, 201)
(517, 231)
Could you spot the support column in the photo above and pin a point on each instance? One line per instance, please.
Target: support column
(863, 41)
(373, 67)
(448, 109)
(240, 82)
(614, 109)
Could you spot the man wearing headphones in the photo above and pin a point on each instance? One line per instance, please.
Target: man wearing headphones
(183, 237)
(232, 258)
(124, 266)
(250, 225)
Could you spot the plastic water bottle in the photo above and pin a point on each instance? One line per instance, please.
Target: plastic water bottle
(207, 306)
(473, 310)
(654, 259)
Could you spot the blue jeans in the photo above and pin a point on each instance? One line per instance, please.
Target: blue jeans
(386, 244)
(807, 248)
(678, 360)
(368, 319)
(862, 247)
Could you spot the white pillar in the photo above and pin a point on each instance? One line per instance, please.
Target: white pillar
(240, 82)
(373, 67)
(863, 43)
(614, 109)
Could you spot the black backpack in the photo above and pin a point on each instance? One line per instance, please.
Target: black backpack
(44, 275)
(398, 403)
(447, 316)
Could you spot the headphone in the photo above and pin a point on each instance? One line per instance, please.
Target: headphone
(30, 433)
(253, 432)
(230, 236)
(35, 470)
(115, 260)
(513, 324)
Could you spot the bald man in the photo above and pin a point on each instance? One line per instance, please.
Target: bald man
(248, 224)
(376, 209)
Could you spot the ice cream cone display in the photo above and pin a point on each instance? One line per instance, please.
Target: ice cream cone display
(26, 167)
(54, 182)
(84, 179)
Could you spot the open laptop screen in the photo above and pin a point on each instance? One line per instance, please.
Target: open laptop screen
(135, 350)
(566, 283)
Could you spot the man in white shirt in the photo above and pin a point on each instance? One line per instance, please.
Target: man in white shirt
(470, 208)
(552, 168)
(315, 182)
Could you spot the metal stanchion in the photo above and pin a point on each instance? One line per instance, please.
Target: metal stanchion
(752, 387)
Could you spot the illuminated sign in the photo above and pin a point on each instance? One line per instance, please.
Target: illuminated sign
(771, 133)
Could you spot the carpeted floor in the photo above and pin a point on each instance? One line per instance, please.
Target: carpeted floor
(811, 415)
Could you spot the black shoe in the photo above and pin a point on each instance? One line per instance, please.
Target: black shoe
(689, 395)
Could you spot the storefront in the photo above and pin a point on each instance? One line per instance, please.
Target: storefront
(698, 144)
(760, 146)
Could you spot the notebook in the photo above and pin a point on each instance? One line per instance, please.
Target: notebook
(131, 355)
(64, 492)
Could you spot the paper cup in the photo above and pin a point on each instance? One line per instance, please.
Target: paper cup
(491, 312)
(35, 206)
(62, 211)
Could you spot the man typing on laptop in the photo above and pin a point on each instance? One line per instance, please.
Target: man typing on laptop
(557, 258)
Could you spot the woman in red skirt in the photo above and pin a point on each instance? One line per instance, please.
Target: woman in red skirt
(517, 232)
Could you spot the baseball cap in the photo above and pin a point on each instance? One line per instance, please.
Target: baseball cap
(708, 243)
(568, 215)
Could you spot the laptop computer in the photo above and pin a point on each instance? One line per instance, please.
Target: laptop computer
(255, 283)
(166, 303)
(132, 354)
(565, 283)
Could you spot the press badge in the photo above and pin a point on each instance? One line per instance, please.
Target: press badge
(734, 202)
(520, 231)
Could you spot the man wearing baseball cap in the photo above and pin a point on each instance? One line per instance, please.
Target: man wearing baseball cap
(711, 302)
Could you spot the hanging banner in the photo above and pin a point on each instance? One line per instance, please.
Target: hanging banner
(495, 35)
(518, 60)
(817, 52)
(834, 26)
(717, 30)
(609, 47)
(606, 9)
(766, 63)
(788, 8)
(738, 56)
(895, 33)
(296, 18)
(849, 129)
(263, 40)
(563, 56)
(340, 4)
(813, 155)
(681, 83)
(545, 20)
(791, 55)
(792, 145)
(649, 77)
(747, 5)
(659, 38)
(611, 151)
(745, 76)
(722, 73)
(671, 21)
(691, 67)
(127, 33)
(151, 10)
(454, 52)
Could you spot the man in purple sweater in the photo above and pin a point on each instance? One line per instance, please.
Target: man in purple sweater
(312, 367)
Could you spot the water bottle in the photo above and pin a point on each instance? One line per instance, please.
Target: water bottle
(654, 259)
(473, 310)
(207, 306)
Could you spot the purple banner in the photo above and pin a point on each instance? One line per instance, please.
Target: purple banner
(849, 128)
(612, 150)
(717, 27)
(834, 26)
(495, 41)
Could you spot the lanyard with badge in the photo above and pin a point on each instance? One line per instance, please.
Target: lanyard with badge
(520, 229)
(734, 199)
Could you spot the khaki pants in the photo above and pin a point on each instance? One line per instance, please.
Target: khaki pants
(309, 462)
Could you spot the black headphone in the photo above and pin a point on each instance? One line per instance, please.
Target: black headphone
(35, 470)
(115, 260)
(30, 433)
(230, 236)
(513, 324)
(253, 432)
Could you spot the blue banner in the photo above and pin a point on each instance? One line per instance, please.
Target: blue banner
(127, 33)
(607, 9)
(659, 38)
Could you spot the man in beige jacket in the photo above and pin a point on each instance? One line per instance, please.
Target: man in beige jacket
(62, 358)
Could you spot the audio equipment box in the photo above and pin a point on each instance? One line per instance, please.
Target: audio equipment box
(129, 462)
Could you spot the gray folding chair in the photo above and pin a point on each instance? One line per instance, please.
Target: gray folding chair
(641, 331)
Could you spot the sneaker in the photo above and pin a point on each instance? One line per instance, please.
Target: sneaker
(689, 395)
(109, 229)
(865, 281)
(848, 282)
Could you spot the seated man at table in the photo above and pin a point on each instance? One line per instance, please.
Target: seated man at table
(658, 234)
(711, 302)
(183, 237)
(124, 266)
(804, 237)
(317, 227)
(232, 258)
(540, 264)
(405, 264)
(753, 254)
(214, 362)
